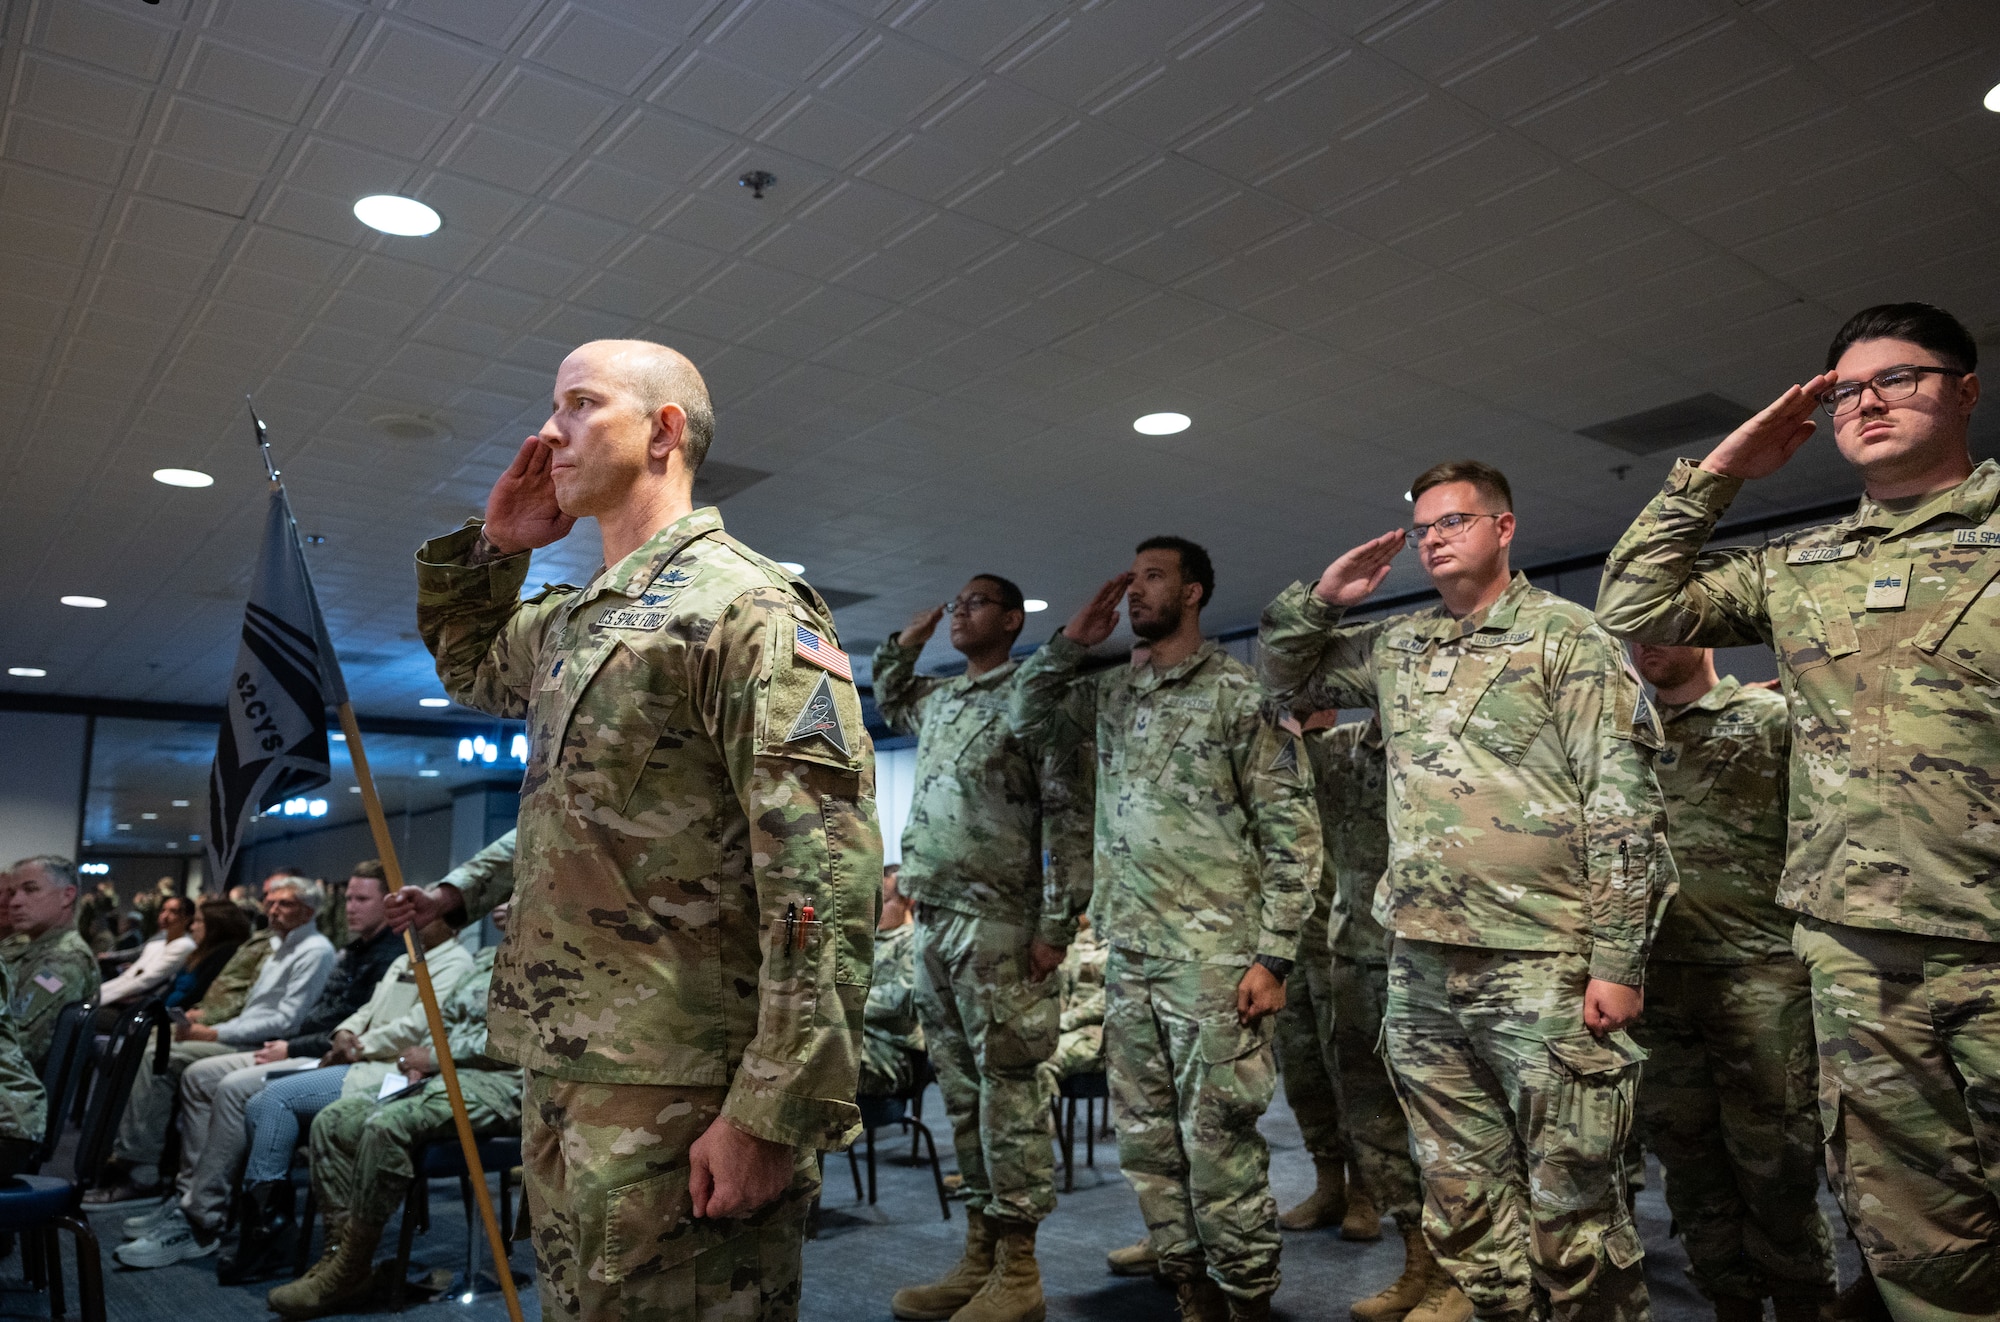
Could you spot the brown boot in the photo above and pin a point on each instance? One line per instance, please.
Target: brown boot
(1327, 1203)
(337, 1282)
(1363, 1222)
(1443, 1303)
(1407, 1290)
(1013, 1289)
(1202, 1300)
(1735, 1308)
(1250, 1310)
(1134, 1260)
(1859, 1302)
(954, 1290)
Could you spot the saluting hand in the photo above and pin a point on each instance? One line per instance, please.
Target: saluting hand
(521, 511)
(1766, 443)
(921, 626)
(1093, 623)
(1349, 580)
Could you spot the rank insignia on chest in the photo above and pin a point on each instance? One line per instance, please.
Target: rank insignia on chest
(821, 718)
(809, 646)
(1437, 678)
(1668, 756)
(1888, 587)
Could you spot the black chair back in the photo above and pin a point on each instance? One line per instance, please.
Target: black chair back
(69, 1055)
(124, 1055)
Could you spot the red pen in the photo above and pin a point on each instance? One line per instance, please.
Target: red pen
(805, 920)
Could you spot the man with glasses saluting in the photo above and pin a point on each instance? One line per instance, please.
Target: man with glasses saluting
(1886, 626)
(1527, 875)
(993, 920)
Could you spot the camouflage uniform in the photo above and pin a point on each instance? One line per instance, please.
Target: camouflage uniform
(697, 778)
(986, 808)
(1080, 1049)
(23, 1105)
(1726, 1101)
(1207, 847)
(1302, 1036)
(1350, 780)
(227, 995)
(361, 1147)
(1526, 857)
(53, 970)
(890, 1030)
(1886, 626)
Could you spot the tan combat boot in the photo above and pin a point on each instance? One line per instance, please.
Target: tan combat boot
(1363, 1222)
(1443, 1303)
(1326, 1204)
(1134, 1260)
(954, 1290)
(1250, 1310)
(1013, 1289)
(1406, 1291)
(1202, 1300)
(337, 1283)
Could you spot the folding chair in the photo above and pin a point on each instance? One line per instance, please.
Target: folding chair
(1088, 1089)
(900, 1108)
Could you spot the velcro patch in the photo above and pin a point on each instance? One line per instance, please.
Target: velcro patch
(1287, 758)
(49, 983)
(1513, 639)
(1819, 555)
(809, 646)
(1401, 644)
(634, 617)
(820, 718)
(1976, 537)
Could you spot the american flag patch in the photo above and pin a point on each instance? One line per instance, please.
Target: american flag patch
(817, 650)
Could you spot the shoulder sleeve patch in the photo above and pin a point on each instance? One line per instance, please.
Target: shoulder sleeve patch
(811, 712)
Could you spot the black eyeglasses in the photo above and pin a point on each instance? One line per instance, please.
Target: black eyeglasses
(1450, 527)
(1889, 386)
(971, 603)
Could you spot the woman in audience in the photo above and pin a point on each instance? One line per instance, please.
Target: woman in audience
(159, 960)
(220, 929)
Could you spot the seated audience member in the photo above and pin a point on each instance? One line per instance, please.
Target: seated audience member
(889, 1020)
(361, 1167)
(219, 932)
(300, 962)
(1080, 1049)
(159, 960)
(269, 1104)
(333, 914)
(49, 963)
(6, 914)
(23, 1107)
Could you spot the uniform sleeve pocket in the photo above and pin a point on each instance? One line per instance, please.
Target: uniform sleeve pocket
(650, 1231)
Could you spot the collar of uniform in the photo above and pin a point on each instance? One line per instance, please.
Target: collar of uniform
(1715, 699)
(1500, 615)
(636, 572)
(1152, 677)
(998, 675)
(1972, 500)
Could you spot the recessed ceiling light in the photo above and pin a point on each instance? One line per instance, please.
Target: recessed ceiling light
(149, 817)
(27, 672)
(1993, 99)
(791, 567)
(338, 737)
(1407, 496)
(1034, 604)
(180, 803)
(183, 477)
(1162, 424)
(88, 603)
(434, 702)
(124, 826)
(403, 216)
(430, 771)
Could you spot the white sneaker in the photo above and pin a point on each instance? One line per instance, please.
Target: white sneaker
(173, 1240)
(134, 1226)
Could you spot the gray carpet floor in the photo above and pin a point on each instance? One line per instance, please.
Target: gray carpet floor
(864, 1252)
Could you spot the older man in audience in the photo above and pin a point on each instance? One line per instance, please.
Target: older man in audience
(49, 964)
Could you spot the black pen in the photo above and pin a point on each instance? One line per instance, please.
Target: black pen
(791, 916)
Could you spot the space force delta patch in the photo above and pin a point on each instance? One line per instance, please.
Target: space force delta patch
(820, 718)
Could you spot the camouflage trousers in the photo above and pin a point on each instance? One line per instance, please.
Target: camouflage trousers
(1188, 1086)
(1378, 1136)
(1520, 1117)
(987, 1028)
(1302, 1039)
(1078, 1051)
(605, 1169)
(361, 1147)
(1727, 1104)
(1909, 1093)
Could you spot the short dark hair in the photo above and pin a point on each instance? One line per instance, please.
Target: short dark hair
(1490, 481)
(1196, 567)
(1010, 591)
(370, 868)
(1922, 324)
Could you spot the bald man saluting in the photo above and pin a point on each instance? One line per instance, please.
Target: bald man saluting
(685, 970)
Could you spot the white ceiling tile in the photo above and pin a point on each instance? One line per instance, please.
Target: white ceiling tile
(116, 39)
(363, 115)
(311, 31)
(82, 97)
(784, 39)
(601, 50)
(506, 159)
(262, 84)
(538, 106)
(422, 66)
(711, 90)
(488, 22)
(977, 31)
(31, 140)
(824, 133)
(199, 183)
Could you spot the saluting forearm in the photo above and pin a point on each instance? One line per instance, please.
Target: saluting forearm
(1308, 661)
(899, 694)
(1660, 586)
(473, 621)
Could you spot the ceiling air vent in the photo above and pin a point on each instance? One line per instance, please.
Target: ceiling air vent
(1683, 422)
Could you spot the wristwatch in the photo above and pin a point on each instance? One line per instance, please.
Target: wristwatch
(1280, 968)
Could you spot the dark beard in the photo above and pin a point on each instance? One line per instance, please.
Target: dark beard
(1161, 626)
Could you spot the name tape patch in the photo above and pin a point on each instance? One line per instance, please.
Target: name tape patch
(1819, 555)
(1976, 537)
(1409, 644)
(1501, 639)
(633, 617)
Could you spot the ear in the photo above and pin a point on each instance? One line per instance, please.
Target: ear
(669, 428)
(1192, 597)
(1504, 525)
(1014, 621)
(1968, 392)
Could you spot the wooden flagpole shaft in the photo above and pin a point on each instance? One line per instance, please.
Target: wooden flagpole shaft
(378, 824)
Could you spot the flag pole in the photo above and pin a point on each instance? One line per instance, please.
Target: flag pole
(385, 848)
